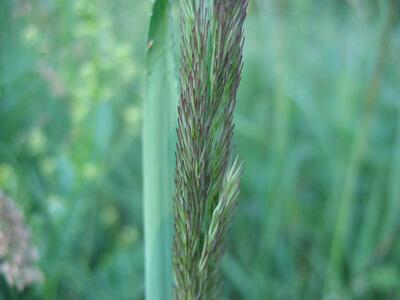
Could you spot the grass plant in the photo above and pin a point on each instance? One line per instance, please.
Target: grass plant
(159, 123)
(207, 172)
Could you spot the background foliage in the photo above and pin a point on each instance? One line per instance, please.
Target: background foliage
(318, 126)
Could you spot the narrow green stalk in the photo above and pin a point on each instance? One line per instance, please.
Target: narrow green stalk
(158, 154)
(337, 251)
(207, 176)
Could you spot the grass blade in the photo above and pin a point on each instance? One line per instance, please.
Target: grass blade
(359, 148)
(158, 152)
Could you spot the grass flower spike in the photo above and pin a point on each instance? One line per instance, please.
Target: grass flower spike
(18, 257)
(207, 174)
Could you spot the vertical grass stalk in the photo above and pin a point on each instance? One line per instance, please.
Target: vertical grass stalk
(207, 174)
(158, 154)
(346, 202)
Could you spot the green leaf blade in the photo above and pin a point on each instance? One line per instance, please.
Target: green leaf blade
(158, 154)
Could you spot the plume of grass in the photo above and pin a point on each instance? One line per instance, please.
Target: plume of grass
(18, 257)
(207, 176)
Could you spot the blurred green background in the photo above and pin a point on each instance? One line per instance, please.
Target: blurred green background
(318, 126)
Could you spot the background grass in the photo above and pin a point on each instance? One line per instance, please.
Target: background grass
(318, 125)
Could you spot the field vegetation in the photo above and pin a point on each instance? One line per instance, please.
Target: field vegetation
(317, 124)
